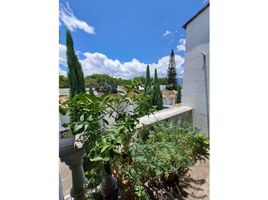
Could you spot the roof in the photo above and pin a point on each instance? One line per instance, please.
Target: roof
(169, 93)
(198, 13)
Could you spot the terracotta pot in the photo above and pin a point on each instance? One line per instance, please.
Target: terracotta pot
(130, 196)
(109, 187)
(124, 183)
(171, 178)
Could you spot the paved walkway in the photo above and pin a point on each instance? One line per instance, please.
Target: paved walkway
(66, 178)
(198, 187)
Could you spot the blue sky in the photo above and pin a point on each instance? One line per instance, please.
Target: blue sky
(121, 37)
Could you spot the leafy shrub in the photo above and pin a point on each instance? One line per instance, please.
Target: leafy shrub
(169, 149)
(102, 140)
(115, 139)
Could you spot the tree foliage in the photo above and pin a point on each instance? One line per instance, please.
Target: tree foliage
(63, 82)
(179, 94)
(75, 72)
(140, 80)
(162, 81)
(171, 73)
(148, 91)
(157, 99)
(147, 84)
(104, 82)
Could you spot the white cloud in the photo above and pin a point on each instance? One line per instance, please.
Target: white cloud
(162, 66)
(62, 55)
(181, 45)
(98, 63)
(167, 32)
(71, 22)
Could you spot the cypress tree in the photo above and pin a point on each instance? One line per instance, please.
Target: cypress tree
(75, 72)
(147, 85)
(157, 99)
(171, 74)
(179, 94)
(147, 93)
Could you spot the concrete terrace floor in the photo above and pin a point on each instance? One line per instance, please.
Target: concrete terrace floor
(198, 182)
(66, 178)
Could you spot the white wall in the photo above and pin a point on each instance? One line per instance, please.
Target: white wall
(168, 101)
(197, 31)
(195, 93)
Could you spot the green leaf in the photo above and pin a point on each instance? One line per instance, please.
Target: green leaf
(98, 158)
(82, 118)
(62, 111)
(104, 148)
(77, 127)
(106, 159)
(117, 151)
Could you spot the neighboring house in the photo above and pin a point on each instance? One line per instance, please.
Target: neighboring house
(121, 88)
(195, 92)
(64, 91)
(162, 87)
(169, 97)
(141, 88)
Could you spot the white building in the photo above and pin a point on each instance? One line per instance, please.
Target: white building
(169, 97)
(195, 93)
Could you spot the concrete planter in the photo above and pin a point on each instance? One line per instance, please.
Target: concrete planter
(66, 143)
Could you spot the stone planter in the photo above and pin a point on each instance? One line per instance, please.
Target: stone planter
(66, 143)
(73, 158)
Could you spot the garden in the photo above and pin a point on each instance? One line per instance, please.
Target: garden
(129, 162)
(123, 158)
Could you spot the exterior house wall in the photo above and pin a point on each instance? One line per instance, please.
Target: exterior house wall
(195, 93)
(197, 31)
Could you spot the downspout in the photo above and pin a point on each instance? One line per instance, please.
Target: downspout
(206, 88)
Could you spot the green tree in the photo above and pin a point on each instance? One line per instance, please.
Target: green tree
(102, 82)
(171, 73)
(179, 94)
(162, 81)
(75, 72)
(147, 93)
(63, 82)
(147, 84)
(139, 79)
(157, 99)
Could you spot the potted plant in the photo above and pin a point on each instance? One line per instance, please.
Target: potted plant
(85, 114)
(67, 138)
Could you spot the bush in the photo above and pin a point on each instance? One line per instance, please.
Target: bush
(101, 139)
(169, 149)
